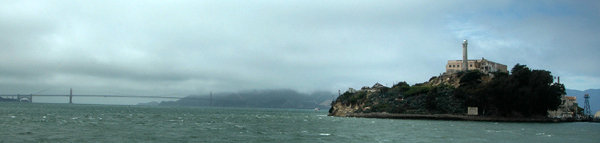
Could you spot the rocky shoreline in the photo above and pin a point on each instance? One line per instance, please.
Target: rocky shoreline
(459, 117)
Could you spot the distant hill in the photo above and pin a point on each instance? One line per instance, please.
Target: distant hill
(153, 103)
(594, 98)
(283, 98)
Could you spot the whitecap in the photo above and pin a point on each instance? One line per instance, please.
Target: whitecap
(324, 134)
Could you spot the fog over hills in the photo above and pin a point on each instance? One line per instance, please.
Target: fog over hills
(275, 98)
(287, 98)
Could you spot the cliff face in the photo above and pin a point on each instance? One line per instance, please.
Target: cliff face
(448, 79)
(360, 101)
(339, 109)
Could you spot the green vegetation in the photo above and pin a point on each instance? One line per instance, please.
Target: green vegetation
(417, 90)
(523, 93)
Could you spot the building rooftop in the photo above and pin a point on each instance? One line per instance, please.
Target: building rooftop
(571, 97)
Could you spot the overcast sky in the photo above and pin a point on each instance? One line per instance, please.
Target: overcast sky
(194, 47)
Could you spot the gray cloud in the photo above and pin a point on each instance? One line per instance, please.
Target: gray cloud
(193, 47)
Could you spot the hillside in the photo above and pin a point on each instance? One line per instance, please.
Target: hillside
(524, 93)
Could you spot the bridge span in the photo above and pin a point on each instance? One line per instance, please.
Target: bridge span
(29, 98)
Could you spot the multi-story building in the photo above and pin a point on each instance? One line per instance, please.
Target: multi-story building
(483, 65)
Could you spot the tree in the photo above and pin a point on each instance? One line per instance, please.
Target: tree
(523, 93)
(518, 67)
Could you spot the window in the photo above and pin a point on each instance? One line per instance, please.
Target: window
(458, 66)
(471, 65)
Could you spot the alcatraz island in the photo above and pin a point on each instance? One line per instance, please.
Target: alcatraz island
(475, 90)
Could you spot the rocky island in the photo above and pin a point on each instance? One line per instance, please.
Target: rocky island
(524, 95)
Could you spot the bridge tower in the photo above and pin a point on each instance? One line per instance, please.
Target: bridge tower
(28, 97)
(586, 106)
(71, 96)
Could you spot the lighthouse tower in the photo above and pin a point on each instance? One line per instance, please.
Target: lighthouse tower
(465, 60)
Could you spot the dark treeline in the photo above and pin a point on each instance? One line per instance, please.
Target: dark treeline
(283, 98)
(523, 93)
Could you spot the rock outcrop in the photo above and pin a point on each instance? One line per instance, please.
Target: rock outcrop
(343, 108)
(338, 109)
(452, 79)
(448, 79)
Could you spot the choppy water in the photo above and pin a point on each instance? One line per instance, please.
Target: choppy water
(26, 122)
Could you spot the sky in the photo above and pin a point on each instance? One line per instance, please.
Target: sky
(178, 48)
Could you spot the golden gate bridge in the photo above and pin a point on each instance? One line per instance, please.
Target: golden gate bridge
(29, 98)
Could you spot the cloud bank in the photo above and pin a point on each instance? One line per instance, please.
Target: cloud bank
(194, 47)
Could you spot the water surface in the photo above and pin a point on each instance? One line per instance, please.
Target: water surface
(35, 122)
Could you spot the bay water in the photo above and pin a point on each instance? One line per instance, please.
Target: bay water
(38, 122)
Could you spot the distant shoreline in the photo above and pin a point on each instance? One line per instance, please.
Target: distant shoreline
(460, 118)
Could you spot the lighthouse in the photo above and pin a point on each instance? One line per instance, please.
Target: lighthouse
(465, 60)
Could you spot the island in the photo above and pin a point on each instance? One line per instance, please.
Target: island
(523, 95)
